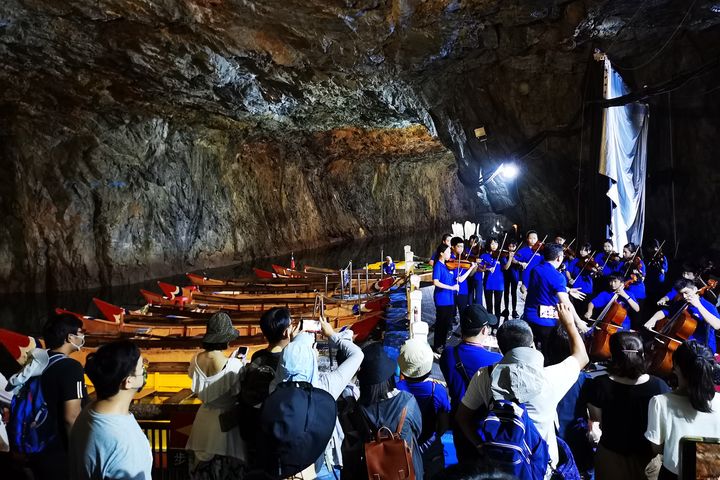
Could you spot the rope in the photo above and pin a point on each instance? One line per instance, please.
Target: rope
(665, 45)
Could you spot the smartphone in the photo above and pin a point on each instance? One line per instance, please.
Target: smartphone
(699, 458)
(311, 326)
(242, 352)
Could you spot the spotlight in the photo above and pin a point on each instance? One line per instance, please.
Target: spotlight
(509, 171)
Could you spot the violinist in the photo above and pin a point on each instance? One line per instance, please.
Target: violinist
(511, 277)
(657, 267)
(446, 287)
(625, 299)
(608, 259)
(445, 240)
(547, 288)
(703, 311)
(462, 296)
(528, 257)
(493, 282)
(579, 273)
(472, 251)
(632, 264)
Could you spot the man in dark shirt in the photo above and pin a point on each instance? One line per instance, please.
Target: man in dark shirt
(278, 329)
(63, 386)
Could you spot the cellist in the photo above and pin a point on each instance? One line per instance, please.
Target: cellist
(703, 311)
(626, 299)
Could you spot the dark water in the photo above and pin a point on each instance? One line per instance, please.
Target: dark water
(27, 313)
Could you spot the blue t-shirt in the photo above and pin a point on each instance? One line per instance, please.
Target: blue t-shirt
(389, 268)
(525, 255)
(604, 298)
(108, 446)
(583, 277)
(656, 271)
(432, 397)
(443, 296)
(492, 280)
(704, 333)
(637, 288)
(545, 283)
(473, 357)
(464, 290)
(609, 266)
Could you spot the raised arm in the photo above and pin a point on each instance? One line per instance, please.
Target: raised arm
(577, 346)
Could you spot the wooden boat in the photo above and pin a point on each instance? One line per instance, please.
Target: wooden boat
(293, 284)
(212, 302)
(171, 333)
(281, 271)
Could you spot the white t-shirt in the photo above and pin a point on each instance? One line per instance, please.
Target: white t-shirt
(542, 409)
(671, 417)
(108, 446)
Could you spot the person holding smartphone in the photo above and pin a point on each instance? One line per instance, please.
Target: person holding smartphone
(691, 410)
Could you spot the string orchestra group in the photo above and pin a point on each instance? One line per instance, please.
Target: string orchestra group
(609, 289)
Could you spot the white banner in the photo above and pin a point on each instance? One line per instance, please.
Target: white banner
(623, 158)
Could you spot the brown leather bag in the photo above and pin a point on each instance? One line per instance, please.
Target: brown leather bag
(389, 457)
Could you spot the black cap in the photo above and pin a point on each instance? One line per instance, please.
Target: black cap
(474, 317)
(376, 366)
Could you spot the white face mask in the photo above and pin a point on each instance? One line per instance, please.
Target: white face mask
(76, 345)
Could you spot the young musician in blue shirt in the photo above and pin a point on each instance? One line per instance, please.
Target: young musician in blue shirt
(457, 247)
(708, 319)
(579, 275)
(607, 259)
(625, 299)
(511, 278)
(657, 267)
(447, 285)
(630, 265)
(493, 282)
(527, 258)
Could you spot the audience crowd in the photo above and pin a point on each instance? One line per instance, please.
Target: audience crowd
(280, 416)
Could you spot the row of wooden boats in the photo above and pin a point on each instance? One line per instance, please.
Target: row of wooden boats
(177, 317)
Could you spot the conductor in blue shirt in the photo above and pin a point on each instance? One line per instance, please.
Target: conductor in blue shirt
(546, 288)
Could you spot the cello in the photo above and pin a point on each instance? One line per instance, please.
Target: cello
(671, 333)
(606, 325)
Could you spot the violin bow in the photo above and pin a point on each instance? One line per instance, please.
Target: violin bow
(659, 250)
(709, 289)
(500, 251)
(583, 267)
(535, 252)
(630, 262)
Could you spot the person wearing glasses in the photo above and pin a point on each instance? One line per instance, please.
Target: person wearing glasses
(106, 440)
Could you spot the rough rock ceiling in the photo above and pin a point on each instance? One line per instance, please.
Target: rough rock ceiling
(316, 65)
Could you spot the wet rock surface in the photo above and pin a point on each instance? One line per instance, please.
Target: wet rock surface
(141, 138)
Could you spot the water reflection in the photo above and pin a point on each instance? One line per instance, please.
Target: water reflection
(26, 313)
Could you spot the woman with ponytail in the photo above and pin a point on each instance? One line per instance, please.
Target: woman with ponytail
(692, 409)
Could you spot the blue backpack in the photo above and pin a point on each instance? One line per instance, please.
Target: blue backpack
(28, 428)
(511, 443)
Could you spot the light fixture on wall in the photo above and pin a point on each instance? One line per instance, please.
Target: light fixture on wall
(508, 171)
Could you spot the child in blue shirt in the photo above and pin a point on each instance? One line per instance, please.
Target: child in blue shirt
(493, 281)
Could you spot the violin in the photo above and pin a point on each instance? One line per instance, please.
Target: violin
(537, 247)
(610, 320)
(671, 333)
(455, 264)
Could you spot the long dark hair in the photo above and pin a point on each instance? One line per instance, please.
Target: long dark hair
(627, 356)
(376, 392)
(441, 248)
(696, 363)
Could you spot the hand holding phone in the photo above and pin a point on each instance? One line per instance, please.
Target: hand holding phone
(311, 326)
(241, 352)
